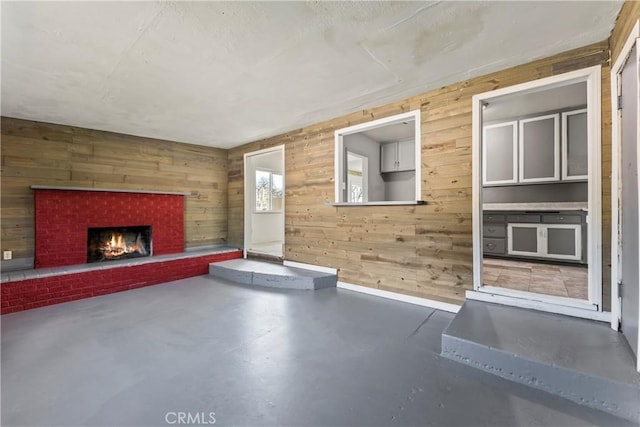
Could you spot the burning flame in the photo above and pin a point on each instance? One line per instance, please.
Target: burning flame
(116, 246)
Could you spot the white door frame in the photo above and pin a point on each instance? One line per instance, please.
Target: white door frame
(616, 171)
(248, 198)
(591, 309)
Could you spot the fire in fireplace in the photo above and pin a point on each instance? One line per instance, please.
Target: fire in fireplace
(116, 243)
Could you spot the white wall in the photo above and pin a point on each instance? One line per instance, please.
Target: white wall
(400, 186)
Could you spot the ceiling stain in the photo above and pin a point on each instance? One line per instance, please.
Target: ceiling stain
(449, 33)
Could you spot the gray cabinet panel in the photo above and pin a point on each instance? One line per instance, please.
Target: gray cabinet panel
(523, 218)
(575, 155)
(561, 219)
(494, 230)
(539, 149)
(500, 153)
(559, 235)
(493, 246)
(561, 241)
(494, 218)
(524, 239)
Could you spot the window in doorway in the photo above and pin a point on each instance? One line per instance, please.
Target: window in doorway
(269, 191)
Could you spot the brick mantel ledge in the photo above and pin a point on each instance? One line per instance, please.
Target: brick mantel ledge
(110, 190)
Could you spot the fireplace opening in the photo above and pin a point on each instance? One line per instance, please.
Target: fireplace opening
(116, 243)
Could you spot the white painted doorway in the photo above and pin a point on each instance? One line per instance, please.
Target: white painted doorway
(625, 81)
(264, 202)
(548, 102)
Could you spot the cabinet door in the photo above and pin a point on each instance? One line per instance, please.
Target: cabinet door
(563, 241)
(539, 149)
(575, 158)
(500, 153)
(388, 157)
(406, 155)
(524, 239)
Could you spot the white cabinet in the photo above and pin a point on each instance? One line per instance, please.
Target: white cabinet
(500, 153)
(557, 241)
(539, 149)
(575, 152)
(398, 156)
(388, 157)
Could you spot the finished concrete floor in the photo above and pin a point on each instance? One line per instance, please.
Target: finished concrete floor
(254, 357)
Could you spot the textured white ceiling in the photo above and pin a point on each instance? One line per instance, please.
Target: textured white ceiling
(226, 73)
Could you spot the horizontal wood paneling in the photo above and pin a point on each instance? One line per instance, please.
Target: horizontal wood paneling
(423, 251)
(48, 154)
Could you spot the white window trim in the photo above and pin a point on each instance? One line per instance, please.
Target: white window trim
(339, 148)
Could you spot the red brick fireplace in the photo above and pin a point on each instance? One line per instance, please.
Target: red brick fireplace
(63, 217)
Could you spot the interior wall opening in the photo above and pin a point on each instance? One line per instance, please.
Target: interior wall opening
(535, 193)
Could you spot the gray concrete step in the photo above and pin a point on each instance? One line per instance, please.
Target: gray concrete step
(580, 360)
(251, 272)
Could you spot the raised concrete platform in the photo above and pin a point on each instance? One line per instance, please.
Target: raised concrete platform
(580, 360)
(250, 272)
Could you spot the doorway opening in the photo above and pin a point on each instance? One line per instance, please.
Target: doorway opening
(264, 203)
(536, 195)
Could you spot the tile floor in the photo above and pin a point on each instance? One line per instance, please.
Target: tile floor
(548, 279)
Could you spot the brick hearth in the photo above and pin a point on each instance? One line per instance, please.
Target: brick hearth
(57, 285)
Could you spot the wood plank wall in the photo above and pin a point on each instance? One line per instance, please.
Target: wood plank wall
(48, 154)
(424, 251)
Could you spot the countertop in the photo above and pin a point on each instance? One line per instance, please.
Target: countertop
(547, 206)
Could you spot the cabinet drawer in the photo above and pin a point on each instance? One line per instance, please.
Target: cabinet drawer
(523, 218)
(561, 219)
(493, 246)
(494, 230)
(492, 218)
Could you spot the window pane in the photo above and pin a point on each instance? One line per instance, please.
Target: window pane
(276, 192)
(262, 190)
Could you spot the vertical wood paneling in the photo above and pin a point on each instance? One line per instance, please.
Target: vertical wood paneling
(48, 154)
(415, 250)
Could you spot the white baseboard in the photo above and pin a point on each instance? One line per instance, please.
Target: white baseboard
(438, 305)
(310, 267)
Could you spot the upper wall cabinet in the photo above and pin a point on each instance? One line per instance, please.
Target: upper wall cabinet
(539, 148)
(575, 159)
(398, 156)
(500, 153)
